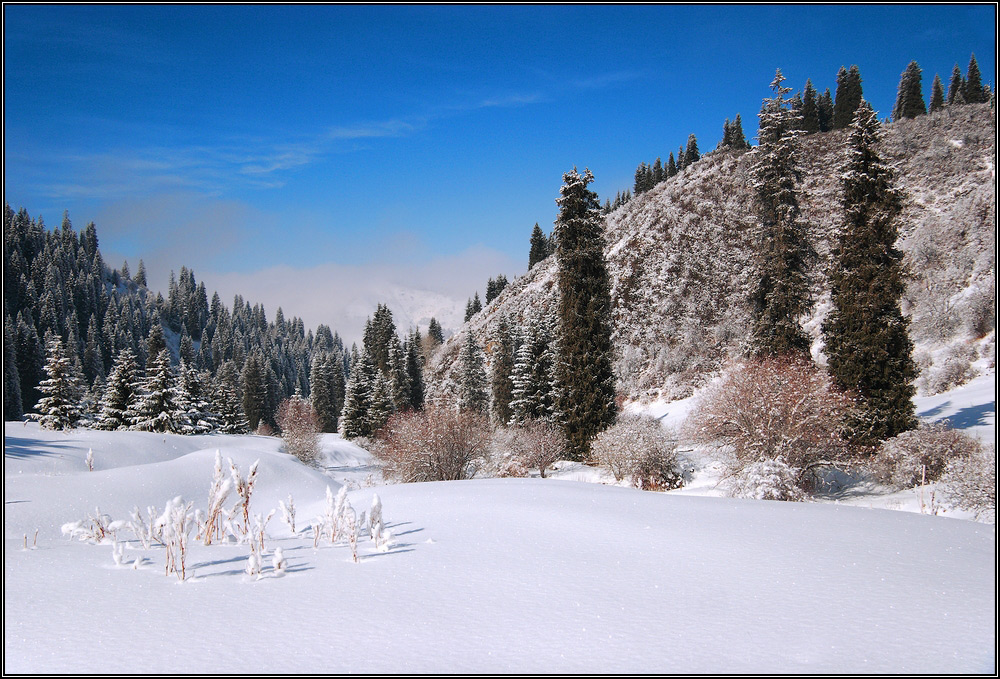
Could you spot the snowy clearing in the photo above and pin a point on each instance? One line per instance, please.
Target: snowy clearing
(495, 575)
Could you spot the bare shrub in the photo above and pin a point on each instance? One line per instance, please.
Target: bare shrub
(536, 444)
(773, 408)
(435, 444)
(952, 370)
(264, 429)
(299, 429)
(970, 483)
(921, 455)
(639, 448)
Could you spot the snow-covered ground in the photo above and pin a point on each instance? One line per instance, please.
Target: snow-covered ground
(512, 575)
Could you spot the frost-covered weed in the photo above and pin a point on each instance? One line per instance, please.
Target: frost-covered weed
(244, 490)
(210, 524)
(174, 526)
(288, 513)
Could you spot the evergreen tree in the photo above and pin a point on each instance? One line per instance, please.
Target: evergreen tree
(533, 393)
(975, 93)
(825, 111)
(657, 171)
(584, 367)
(158, 405)
(848, 97)
(737, 139)
(435, 332)
(155, 341)
(691, 154)
(865, 333)
(227, 400)
(254, 386)
(120, 393)
(321, 395)
(380, 337)
(194, 401)
(937, 95)
(501, 373)
(399, 379)
(956, 88)
(382, 407)
(671, 166)
(727, 140)
(910, 96)
(140, 274)
(680, 159)
(473, 392)
(810, 109)
(780, 294)
(12, 411)
(539, 247)
(415, 371)
(495, 287)
(59, 407)
(354, 420)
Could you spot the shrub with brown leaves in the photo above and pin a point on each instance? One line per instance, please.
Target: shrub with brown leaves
(435, 444)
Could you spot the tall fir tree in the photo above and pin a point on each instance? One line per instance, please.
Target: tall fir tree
(354, 420)
(825, 110)
(12, 406)
(120, 393)
(321, 396)
(473, 388)
(975, 93)
(434, 330)
(848, 96)
(227, 400)
(691, 154)
(780, 292)
(62, 391)
(937, 95)
(671, 166)
(158, 405)
(810, 109)
(956, 87)
(909, 96)
(539, 246)
(584, 367)
(415, 370)
(738, 139)
(501, 373)
(869, 350)
(533, 378)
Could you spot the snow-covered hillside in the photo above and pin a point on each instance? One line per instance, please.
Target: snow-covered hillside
(493, 575)
(678, 257)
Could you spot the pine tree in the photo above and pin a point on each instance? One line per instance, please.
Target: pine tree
(157, 407)
(473, 394)
(501, 373)
(737, 138)
(780, 295)
(974, 91)
(533, 394)
(140, 274)
(956, 88)
(435, 332)
(321, 395)
(415, 371)
(671, 166)
(194, 401)
(380, 337)
(399, 379)
(584, 366)
(227, 400)
(354, 420)
(155, 341)
(865, 333)
(848, 97)
(937, 95)
(910, 96)
(810, 109)
(254, 386)
(539, 247)
(59, 407)
(120, 393)
(657, 171)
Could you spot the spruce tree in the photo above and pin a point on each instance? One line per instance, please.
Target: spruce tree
(671, 166)
(974, 91)
(59, 407)
(956, 88)
(227, 400)
(12, 407)
(691, 154)
(415, 371)
(321, 396)
(533, 393)
(354, 421)
(937, 95)
(736, 135)
(810, 109)
(473, 388)
(140, 274)
(539, 247)
(848, 97)
(825, 110)
(120, 393)
(435, 332)
(254, 386)
(585, 353)
(501, 373)
(909, 96)
(157, 407)
(866, 338)
(780, 293)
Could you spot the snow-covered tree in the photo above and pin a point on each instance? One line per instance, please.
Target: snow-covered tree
(120, 393)
(533, 393)
(780, 293)
(910, 96)
(473, 389)
(59, 407)
(157, 407)
(867, 342)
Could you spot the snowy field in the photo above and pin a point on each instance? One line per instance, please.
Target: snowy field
(513, 575)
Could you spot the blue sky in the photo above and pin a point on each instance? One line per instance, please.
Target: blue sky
(257, 144)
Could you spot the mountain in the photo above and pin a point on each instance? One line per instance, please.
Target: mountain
(679, 257)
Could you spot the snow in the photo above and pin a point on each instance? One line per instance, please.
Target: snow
(485, 576)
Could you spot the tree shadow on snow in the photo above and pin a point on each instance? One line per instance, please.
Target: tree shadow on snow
(22, 448)
(972, 416)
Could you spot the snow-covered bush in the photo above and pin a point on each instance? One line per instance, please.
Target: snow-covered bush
(279, 562)
(766, 480)
(921, 455)
(299, 429)
(639, 448)
(435, 444)
(244, 490)
(516, 450)
(172, 528)
(769, 408)
(288, 513)
(953, 369)
(970, 483)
